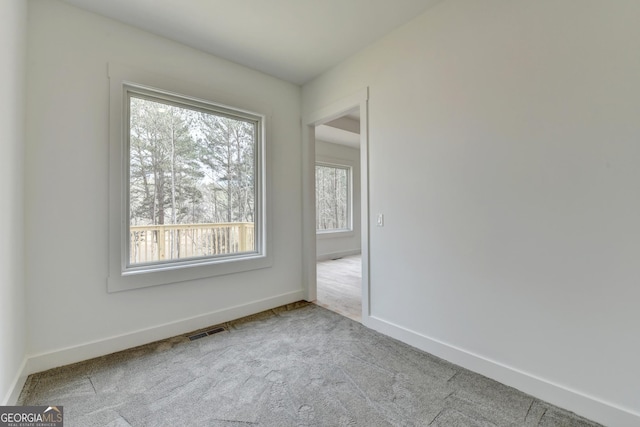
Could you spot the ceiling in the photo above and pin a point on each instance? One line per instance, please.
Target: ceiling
(344, 130)
(294, 40)
(338, 136)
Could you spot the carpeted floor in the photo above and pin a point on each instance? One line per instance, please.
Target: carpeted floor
(299, 365)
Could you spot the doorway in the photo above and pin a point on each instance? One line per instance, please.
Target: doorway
(342, 262)
(338, 215)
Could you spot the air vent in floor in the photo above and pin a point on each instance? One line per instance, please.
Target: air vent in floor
(206, 333)
(197, 336)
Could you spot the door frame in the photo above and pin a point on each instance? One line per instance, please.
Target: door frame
(333, 111)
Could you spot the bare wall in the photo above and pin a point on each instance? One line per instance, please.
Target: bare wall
(503, 151)
(72, 315)
(13, 327)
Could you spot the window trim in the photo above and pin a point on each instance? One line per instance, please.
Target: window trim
(121, 277)
(151, 94)
(342, 164)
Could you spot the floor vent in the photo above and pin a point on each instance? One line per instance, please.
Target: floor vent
(197, 336)
(206, 333)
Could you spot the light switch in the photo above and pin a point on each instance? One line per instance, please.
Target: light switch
(380, 220)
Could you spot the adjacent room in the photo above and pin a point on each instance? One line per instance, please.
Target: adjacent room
(456, 181)
(338, 213)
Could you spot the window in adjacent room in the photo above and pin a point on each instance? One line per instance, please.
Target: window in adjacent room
(333, 198)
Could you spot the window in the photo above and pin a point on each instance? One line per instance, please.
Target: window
(191, 189)
(333, 198)
(187, 187)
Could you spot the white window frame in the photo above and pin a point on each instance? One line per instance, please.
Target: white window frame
(122, 276)
(341, 164)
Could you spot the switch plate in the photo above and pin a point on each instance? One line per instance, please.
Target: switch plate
(380, 220)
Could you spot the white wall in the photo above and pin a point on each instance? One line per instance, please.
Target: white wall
(504, 151)
(13, 329)
(72, 315)
(341, 244)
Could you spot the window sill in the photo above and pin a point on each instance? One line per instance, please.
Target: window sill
(334, 234)
(175, 274)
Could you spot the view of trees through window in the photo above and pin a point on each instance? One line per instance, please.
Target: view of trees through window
(332, 197)
(192, 184)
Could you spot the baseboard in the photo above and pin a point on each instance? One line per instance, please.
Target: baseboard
(582, 404)
(334, 255)
(16, 387)
(89, 350)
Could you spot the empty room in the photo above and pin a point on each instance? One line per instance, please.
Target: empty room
(162, 231)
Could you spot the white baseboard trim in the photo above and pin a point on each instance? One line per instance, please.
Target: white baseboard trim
(334, 255)
(16, 386)
(590, 407)
(89, 350)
